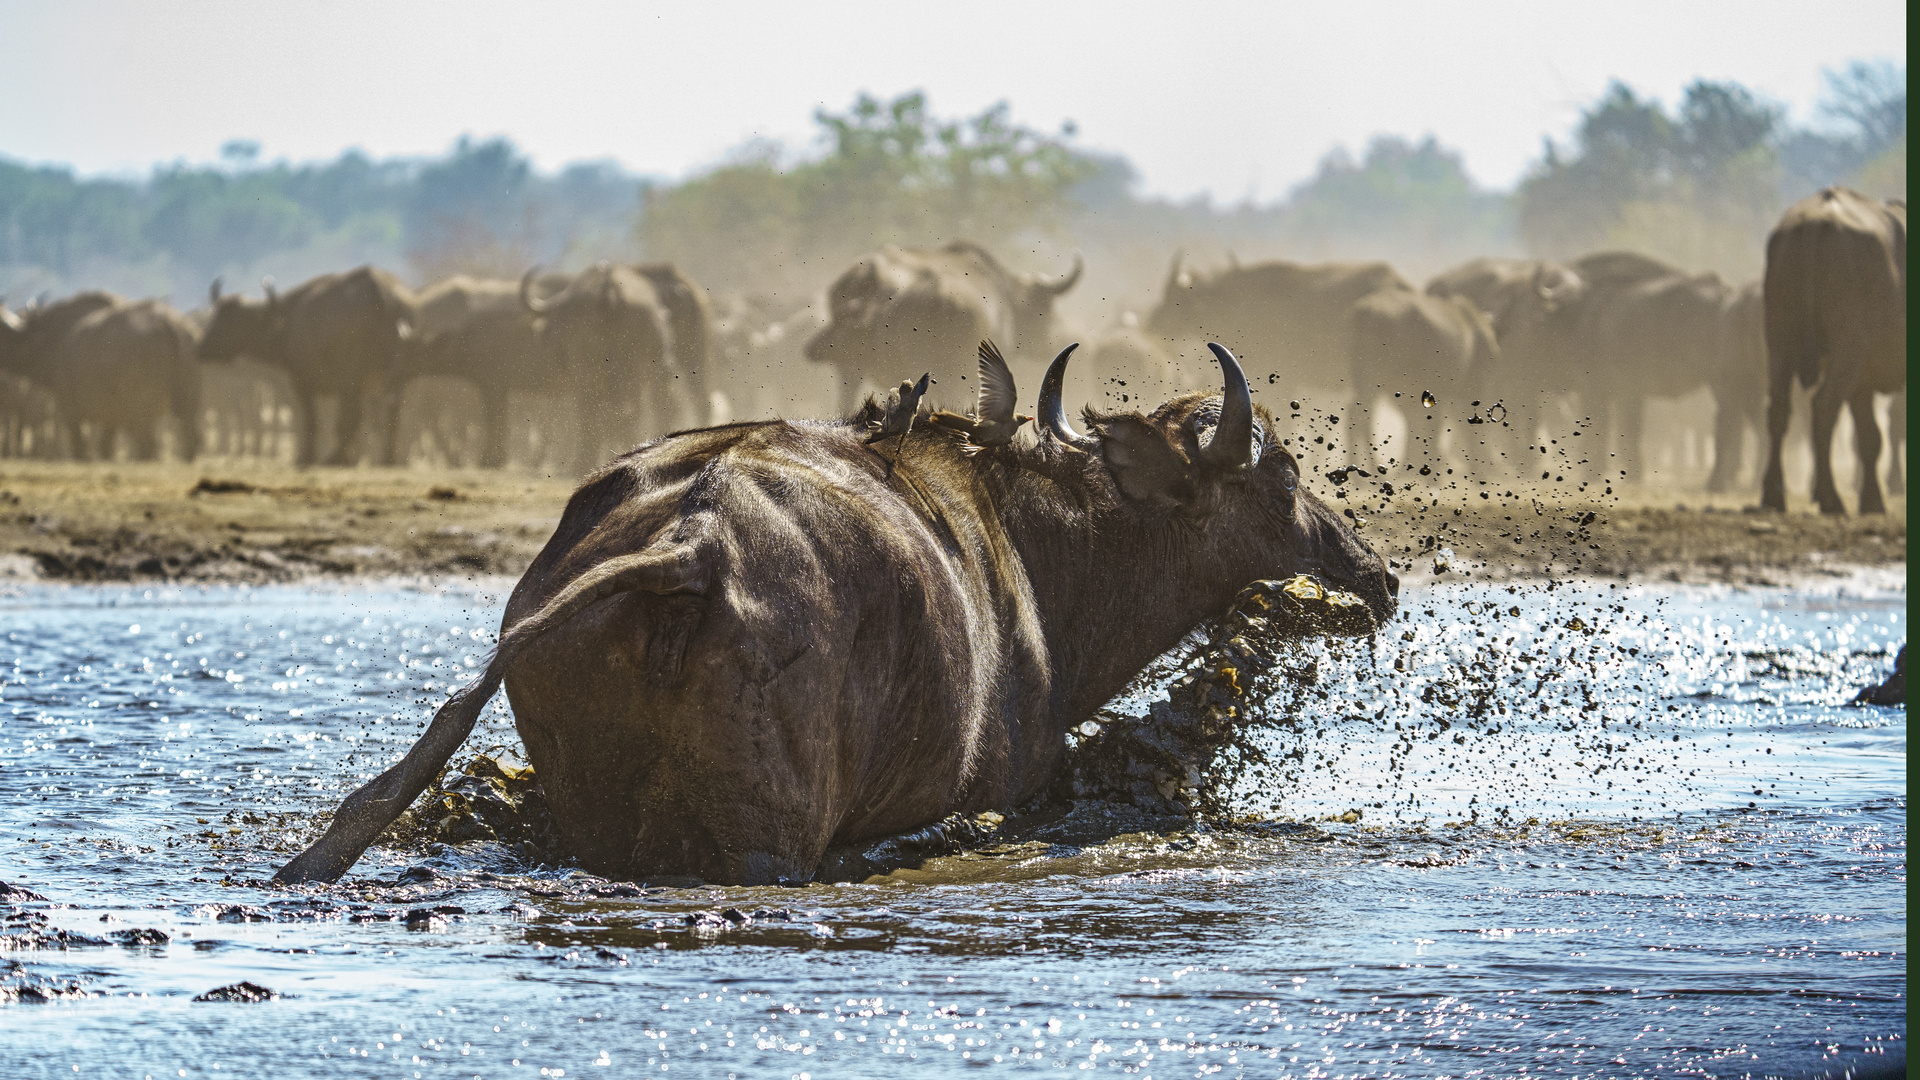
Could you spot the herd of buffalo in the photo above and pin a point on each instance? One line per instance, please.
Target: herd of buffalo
(752, 647)
(633, 351)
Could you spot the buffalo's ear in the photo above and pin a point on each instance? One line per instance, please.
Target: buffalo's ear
(1144, 464)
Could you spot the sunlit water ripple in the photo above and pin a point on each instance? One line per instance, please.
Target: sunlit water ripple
(1663, 846)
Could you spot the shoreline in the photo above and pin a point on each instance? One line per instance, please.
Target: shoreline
(246, 522)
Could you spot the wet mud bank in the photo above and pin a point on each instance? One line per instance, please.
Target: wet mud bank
(143, 522)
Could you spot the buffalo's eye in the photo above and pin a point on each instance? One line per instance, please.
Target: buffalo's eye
(1290, 480)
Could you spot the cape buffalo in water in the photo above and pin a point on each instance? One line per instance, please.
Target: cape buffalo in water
(922, 310)
(338, 335)
(748, 644)
(1836, 318)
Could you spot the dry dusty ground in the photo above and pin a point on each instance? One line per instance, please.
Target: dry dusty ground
(258, 522)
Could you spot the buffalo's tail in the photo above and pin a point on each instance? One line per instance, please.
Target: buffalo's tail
(366, 813)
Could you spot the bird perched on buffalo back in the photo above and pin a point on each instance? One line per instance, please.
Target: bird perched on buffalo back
(897, 415)
(993, 422)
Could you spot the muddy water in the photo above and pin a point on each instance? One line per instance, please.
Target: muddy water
(1653, 843)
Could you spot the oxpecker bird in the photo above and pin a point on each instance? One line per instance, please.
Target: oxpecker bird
(898, 414)
(993, 422)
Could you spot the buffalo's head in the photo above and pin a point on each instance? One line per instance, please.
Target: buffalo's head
(1034, 296)
(1178, 314)
(242, 327)
(856, 302)
(1215, 463)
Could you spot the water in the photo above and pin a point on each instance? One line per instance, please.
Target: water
(1554, 886)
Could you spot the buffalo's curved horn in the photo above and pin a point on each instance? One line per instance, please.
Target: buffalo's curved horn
(527, 299)
(1232, 444)
(366, 813)
(1053, 414)
(1556, 286)
(213, 293)
(1060, 285)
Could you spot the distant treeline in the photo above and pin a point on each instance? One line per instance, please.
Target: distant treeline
(1698, 185)
(480, 208)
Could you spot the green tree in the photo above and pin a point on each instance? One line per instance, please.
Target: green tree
(1400, 195)
(1863, 142)
(50, 219)
(207, 219)
(888, 172)
(473, 212)
(1698, 188)
(1621, 153)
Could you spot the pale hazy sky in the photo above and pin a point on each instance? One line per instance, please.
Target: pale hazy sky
(1232, 98)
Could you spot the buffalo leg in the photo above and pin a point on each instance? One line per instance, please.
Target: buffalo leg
(1729, 430)
(1826, 416)
(493, 412)
(1773, 484)
(346, 431)
(144, 442)
(1628, 412)
(383, 423)
(1897, 444)
(306, 429)
(592, 425)
(1866, 451)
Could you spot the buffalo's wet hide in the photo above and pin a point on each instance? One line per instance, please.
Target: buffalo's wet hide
(1153, 772)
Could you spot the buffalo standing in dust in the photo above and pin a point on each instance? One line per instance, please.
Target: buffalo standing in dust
(476, 330)
(1299, 312)
(630, 344)
(30, 341)
(1408, 343)
(123, 369)
(1740, 394)
(1836, 318)
(922, 310)
(339, 336)
(748, 644)
(758, 356)
(1611, 329)
(1495, 284)
(30, 344)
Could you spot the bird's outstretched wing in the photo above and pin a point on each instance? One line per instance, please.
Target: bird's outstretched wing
(998, 395)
